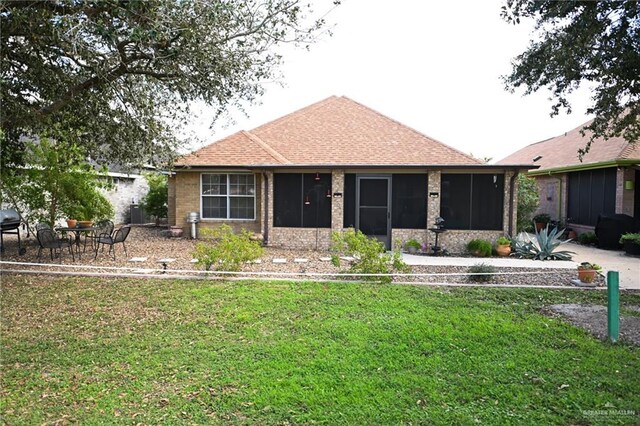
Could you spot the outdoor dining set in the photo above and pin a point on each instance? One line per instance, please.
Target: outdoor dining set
(101, 234)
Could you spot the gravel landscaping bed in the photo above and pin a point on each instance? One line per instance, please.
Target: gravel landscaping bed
(150, 243)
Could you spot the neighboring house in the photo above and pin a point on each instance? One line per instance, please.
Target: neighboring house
(338, 164)
(129, 188)
(607, 181)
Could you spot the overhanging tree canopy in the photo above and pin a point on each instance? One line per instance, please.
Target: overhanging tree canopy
(117, 76)
(583, 41)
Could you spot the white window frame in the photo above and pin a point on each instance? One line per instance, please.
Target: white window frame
(228, 196)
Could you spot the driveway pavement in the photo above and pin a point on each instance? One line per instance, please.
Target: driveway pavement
(610, 260)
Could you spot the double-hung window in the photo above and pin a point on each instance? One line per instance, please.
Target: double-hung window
(228, 196)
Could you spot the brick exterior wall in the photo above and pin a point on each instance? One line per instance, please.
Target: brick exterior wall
(187, 199)
(625, 197)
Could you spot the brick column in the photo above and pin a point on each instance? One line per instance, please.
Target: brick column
(433, 204)
(337, 204)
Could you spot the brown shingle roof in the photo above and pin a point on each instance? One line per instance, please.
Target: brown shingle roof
(562, 151)
(335, 131)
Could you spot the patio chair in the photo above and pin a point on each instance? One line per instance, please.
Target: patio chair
(117, 237)
(103, 228)
(48, 239)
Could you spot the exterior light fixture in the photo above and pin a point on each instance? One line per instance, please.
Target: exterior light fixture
(328, 193)
(307, 201)
(317, 178)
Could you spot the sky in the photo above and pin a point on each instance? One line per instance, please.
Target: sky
(432, 65)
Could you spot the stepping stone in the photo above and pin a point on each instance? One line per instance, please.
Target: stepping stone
(279, 260)
(325, 259)
(138, 259)
(257, 261)
(300, 260)
(347, 258)
(194, 260)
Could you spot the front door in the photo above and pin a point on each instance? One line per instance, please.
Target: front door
(373, 207)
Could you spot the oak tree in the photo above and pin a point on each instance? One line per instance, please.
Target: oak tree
(583, 42)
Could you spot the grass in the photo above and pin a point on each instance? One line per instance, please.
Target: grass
(181, 352)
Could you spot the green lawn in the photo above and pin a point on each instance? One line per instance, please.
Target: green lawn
(191, 352)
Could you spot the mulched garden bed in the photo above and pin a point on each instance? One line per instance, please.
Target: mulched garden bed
(150, 243)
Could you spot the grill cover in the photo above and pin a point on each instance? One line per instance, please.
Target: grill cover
(9, 216)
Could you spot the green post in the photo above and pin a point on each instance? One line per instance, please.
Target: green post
(613, 307)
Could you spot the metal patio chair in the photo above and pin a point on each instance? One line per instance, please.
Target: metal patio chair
(117, 237)
(48, 239)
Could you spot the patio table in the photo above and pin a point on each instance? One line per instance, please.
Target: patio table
(77, 231)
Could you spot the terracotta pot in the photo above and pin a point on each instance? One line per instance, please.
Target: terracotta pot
(71, 223)
(540, 226)
(503, 250)
(586, 275)
(175, 231)
(85, 223)
(572, 235)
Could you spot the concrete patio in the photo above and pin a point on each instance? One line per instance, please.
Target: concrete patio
(610, 260)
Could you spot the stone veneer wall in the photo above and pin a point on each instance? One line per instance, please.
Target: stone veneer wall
(187, 199)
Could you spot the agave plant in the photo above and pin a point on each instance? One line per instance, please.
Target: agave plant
(544, 247)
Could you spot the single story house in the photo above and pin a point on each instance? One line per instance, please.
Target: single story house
(338, 164)
(606, 181)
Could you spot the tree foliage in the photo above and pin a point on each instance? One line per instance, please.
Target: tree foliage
(156, 200)
(121, 74)
(577, 42)
(57, 183)
(528, 201)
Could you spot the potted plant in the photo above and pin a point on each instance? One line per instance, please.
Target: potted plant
(72, 223)
(587, 272)
(541, 220)
(503, 246)
(412, 246)
(631, 243)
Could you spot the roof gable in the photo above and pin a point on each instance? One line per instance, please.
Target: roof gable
(334, 131)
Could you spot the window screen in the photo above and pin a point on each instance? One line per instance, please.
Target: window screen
(591, 193)
(300, 201)
(409, 201)
(472, 201)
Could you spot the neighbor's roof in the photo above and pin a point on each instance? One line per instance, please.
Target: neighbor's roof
(561, 153)
(335, 131)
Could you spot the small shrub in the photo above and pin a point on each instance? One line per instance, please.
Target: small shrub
(630, 237)
(412, 243)
(481, 268)
(229, 251)
(480, 248)
(369, 254)
(587, 238)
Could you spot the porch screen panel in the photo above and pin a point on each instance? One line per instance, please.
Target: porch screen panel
(487, 201)
(455, 200)
(316, 214)
(409, 201)
(292, 190)
(591, 193)
(287, 199)
(349, 200)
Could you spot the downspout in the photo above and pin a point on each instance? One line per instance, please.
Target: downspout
(265, 237)
(516, 172)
